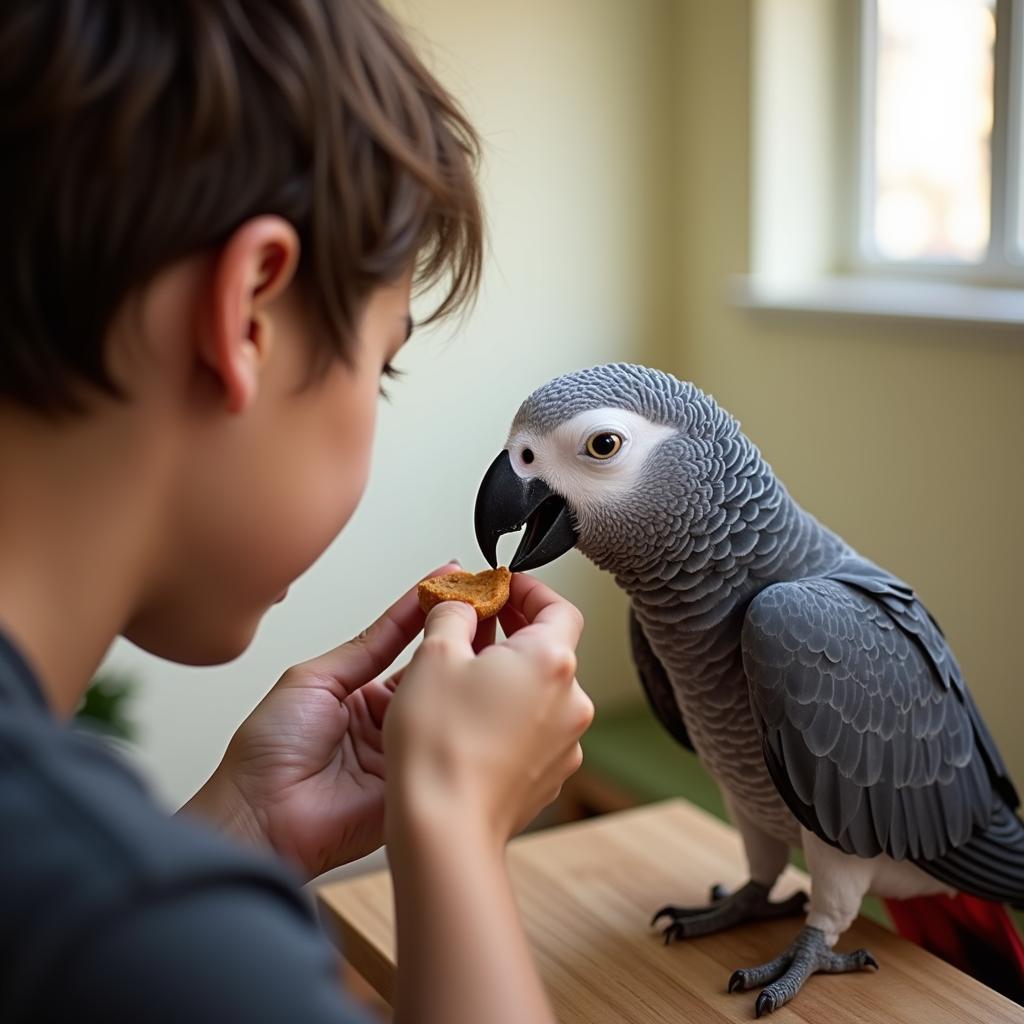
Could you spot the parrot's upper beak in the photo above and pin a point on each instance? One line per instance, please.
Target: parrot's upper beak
(505, 502)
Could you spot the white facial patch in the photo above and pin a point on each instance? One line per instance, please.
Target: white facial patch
(560, 457)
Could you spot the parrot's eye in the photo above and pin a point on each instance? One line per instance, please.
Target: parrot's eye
(603, 445)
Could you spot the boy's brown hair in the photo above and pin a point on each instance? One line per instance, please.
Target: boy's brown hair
(133, 134)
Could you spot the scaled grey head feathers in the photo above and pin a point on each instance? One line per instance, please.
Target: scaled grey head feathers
(680, 461)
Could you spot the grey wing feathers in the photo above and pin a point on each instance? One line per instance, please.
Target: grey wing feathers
(870, 734)
(990, 864)
(656, 684)
(916, 621)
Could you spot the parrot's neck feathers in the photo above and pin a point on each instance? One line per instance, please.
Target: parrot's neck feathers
(742, 532)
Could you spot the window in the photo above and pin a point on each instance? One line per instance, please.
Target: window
(887, 162)
(939, 172)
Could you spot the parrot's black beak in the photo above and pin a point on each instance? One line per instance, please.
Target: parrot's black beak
(506, 502)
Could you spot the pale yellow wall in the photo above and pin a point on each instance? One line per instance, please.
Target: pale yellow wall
(904, 437)
(571, 99)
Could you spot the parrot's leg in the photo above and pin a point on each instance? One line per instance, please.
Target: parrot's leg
(785, 975)
(766, 858)
(840, 883)
(748, 903)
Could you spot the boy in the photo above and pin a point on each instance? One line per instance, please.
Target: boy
(214, 212)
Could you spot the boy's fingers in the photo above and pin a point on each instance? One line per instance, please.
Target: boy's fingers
(449, 629)
(511, 620)
(485, 634)
(378, 696)
(538, 603)
(371, 652)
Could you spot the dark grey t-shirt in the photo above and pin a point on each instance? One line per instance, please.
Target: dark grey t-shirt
(111, 911)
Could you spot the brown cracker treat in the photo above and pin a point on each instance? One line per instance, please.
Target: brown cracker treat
(486, 591)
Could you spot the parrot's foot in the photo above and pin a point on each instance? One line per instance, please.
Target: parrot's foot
(785, 975)
(749, 903)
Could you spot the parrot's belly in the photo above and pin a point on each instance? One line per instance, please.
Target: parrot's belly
(729, 746)
(753, 794)
(705, 670)
(901, 880)
(879, 876)
(841, 880)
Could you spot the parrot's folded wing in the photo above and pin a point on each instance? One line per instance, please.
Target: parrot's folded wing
(656, 684)
(870, 735)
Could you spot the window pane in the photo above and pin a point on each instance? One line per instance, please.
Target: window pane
(933, 126)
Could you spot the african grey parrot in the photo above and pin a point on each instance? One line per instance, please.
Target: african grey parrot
(814, 686)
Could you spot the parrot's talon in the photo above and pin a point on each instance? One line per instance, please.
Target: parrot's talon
(784, 976)
(747, 978)
(668, 911)
(681, 913)
(718, 892)
(748, 903)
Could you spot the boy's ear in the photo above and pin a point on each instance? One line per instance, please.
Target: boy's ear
(254, 267)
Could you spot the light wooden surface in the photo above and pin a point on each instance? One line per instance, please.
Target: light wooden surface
(587, 891)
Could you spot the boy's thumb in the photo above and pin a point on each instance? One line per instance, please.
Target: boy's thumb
(453, 622)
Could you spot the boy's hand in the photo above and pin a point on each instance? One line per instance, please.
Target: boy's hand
(480, 742)
(305, 771)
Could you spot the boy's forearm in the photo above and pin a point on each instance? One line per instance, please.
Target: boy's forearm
(462, 953)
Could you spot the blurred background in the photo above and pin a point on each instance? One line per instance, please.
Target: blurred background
(808, 207)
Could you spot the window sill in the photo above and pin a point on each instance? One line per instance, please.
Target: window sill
(896, 300)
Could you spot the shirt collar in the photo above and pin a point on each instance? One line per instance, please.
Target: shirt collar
(18, 683)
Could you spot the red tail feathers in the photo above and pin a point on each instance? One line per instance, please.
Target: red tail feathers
(975, 935)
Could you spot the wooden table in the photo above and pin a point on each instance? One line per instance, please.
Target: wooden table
(586, 892)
